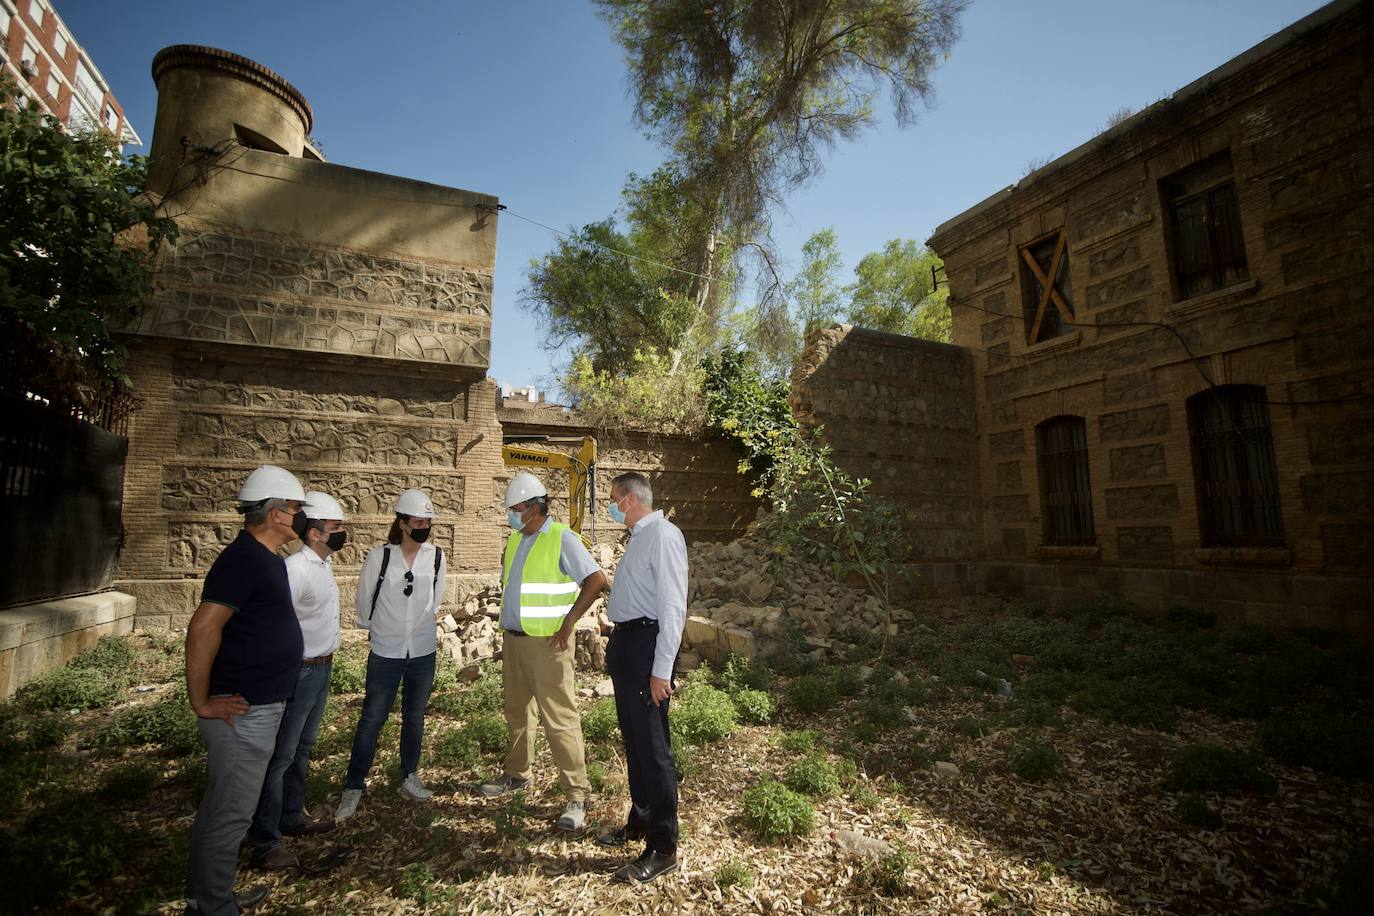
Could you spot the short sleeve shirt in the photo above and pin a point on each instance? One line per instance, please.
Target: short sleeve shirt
(573, 561)
(261, 647)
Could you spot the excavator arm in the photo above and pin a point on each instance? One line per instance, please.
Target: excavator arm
(580, 465)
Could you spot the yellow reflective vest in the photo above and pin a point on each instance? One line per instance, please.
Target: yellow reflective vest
(546, 594)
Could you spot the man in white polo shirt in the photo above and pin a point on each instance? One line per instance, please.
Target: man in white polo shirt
(315, 594)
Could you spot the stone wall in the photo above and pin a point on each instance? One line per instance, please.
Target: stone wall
(358, 431)
(900, 412)
(1293, 117)
(37, 637)
(696, 482)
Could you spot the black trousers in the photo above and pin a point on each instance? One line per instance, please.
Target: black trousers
(644, 727)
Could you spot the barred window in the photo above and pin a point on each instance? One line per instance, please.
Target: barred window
(1066, 499)
(1233, 463)
(1206, 244)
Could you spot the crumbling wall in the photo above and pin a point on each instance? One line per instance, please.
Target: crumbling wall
(900, 411)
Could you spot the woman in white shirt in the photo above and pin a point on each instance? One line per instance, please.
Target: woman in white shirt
(400, 587)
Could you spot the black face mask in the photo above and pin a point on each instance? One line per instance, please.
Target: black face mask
(337, 539)
(419, 535)
(299, 523)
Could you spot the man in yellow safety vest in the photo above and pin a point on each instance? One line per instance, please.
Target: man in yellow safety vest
(548, 580)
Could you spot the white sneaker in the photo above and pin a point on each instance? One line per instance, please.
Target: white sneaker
(412, 787)
(348, 805)
(574, 817)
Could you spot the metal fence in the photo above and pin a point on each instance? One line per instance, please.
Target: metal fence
(61, 503)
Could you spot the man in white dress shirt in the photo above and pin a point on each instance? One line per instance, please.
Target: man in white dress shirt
(315, 595)
(648, 606)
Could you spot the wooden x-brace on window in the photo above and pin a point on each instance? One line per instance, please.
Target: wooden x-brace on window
(1047, 281)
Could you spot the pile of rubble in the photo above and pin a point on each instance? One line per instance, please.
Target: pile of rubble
(734, 605)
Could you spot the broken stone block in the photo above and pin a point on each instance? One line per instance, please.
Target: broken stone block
(448, 624)
(604, 688)
(469, 674)
(945, 770)
(688, 661)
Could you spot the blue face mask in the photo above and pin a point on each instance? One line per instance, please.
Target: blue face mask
(616, 515)
(514, 520)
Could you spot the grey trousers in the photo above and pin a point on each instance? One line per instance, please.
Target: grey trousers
(238, 756)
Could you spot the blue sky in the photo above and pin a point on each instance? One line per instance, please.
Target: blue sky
(526, 99)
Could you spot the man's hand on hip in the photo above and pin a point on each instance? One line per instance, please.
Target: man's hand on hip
(222, 708)
(560, 639)
(659, 689)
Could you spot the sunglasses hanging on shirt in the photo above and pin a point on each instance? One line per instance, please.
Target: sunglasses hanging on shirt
(410, 584)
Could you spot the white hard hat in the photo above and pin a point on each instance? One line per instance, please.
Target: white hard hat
(323, 507)
(416, 503)
(523, 486)
(271, 482)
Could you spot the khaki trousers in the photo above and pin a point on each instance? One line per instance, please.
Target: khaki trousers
(539, 678)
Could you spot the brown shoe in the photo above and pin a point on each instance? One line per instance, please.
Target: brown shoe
(310, 827)
(278, 858)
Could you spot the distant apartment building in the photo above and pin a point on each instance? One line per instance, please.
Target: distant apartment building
(38, 53)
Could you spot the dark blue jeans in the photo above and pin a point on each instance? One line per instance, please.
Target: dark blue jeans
(282, 803)
(384, 676)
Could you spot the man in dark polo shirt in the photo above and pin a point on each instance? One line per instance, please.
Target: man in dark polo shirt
(243, 655)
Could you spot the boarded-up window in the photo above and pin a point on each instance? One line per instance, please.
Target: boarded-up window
(1207, 247)
(1233, 462)
(1045, 265)
(1066, 498)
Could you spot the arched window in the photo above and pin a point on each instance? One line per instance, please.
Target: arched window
(1233, 463)
(1066, 496)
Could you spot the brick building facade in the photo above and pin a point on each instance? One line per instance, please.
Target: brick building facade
(1173, 357)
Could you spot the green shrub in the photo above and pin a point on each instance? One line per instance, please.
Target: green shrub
(597, 775)
(883, 715)
(1253, 639)
(1187, 618)
(130, 781)
(64, 851)
(686, 760)
(811, 694)
(489, 731)
(754, 706)
(1035, 762)
(863, 731)
(418, 882)
(1210, 767)
(740, 673)
(846, 681)
(1193, 810)
(887, 876)
(812, 775)
(1033, 714)
(350, 672)
(1339, 745)
(798, 742)
(864, 797)
(775, 812)
(68, 688)
(970, 727)
(734, 873)
(169, 723)
(599, 722)
(39, 731)
(457, 748)
(1132, 702)
(701, 714)
(113, 655)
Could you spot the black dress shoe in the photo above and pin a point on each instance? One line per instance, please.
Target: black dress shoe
(617, 838)
(310, 827)
(647, 867)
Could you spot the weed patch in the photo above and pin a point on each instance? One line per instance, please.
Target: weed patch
(775, 812)
(1035, 762)
(812, 775)
(1212, 768)
(811, 694)
(754, 706)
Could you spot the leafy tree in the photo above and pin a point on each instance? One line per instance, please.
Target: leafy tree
(815, 290)
(747, 94)
(894, 292)
(77, 241)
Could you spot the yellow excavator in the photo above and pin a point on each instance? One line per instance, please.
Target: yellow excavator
(580, 465)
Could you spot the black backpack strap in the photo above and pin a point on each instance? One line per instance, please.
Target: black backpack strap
(386, 558)
(434, 588)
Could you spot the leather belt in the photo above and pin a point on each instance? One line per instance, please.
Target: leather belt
(318, 660)
(637, 623)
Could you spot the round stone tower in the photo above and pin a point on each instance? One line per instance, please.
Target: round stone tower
(207, 97)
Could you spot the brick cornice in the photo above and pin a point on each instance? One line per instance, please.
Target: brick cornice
(202, 57)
